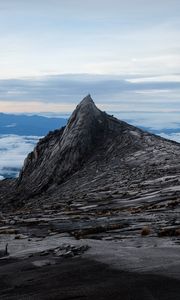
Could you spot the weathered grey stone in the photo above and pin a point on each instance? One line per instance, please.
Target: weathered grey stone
(97, 177)
(95, 151)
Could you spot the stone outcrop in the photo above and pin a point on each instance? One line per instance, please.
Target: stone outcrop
(64, 151)
(97, 178)
(96, 157)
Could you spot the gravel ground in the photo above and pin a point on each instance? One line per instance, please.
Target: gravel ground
(105, 270)
(78, 278)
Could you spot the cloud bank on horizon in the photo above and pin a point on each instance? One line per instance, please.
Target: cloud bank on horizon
(125, 53)
(61, 93)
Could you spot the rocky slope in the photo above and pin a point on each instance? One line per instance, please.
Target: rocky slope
(63, 152)
(99, 174)
(96, 149)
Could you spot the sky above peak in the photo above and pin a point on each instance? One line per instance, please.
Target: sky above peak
(54, 52)
(125, 53)
(41, 37)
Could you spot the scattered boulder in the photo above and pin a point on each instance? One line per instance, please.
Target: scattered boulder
(145, 231)
(70, 250)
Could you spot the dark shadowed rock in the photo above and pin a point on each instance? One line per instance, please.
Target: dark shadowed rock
(4, 252)
(63, 152)
(96, 142)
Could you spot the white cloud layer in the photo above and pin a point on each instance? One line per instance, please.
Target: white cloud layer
(172, 136)
(13, 150)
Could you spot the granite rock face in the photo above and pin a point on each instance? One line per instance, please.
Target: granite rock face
(97, 178)
(98, 146)
(97, 160)
(64, 151)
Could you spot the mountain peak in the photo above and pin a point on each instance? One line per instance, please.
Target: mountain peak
(87, 100)
(60, 154)
(87, 106)
(92, 141)
(84, 115)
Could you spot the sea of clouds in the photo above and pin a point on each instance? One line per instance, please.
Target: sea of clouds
(172, 136)
(13, 151)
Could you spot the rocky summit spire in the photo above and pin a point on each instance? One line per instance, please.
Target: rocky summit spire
(92, 146)
(86, 100)
(63, 152)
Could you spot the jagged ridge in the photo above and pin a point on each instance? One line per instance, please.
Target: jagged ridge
(63, 152)
(90, 135)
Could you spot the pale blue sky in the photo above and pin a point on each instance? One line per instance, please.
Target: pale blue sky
(133, 45)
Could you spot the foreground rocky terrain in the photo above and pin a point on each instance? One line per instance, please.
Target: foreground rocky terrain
(101, 194)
